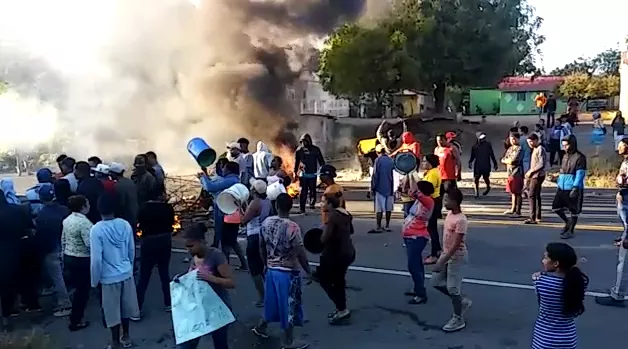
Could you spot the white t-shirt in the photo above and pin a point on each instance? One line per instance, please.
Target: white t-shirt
(73, 181)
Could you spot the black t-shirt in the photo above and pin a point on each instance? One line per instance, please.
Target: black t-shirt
(155, 218)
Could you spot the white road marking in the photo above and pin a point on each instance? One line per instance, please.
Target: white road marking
(429, 276)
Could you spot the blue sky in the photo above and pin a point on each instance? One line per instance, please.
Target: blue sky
(575, 28)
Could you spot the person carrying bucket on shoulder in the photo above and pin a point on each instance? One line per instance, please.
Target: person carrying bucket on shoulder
(226, 176)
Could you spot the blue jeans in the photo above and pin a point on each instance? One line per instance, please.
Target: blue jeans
(219, 337)
(414, 249)
(54, 267)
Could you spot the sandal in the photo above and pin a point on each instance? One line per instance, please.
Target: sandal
(79, 326)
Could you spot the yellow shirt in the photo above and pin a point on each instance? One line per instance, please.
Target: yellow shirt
(433, 176)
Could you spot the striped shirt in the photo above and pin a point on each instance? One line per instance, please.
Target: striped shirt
(553, 329)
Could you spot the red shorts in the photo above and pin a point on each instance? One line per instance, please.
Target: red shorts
(514, 185)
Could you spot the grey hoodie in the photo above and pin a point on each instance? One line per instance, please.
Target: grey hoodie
(261, 161)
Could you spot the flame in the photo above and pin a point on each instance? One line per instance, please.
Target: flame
(286, 154)
(176, 227)
(293, 190)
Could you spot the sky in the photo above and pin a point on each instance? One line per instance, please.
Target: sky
(580, 28)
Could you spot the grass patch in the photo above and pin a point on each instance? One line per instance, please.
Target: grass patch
(602, 173)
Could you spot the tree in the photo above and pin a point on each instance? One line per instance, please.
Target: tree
(432, 44)
(586, 87)
(605, 63)
(469, 43)
(366, 63)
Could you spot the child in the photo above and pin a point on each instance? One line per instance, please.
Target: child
(447, 273)
(560, 289)
(212, 268)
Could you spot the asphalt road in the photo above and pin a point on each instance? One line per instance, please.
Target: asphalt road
(503, 255)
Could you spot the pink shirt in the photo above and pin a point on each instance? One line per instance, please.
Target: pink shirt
(455, 224)
(234, 218)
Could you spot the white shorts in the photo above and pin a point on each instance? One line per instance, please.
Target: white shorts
(384, 203)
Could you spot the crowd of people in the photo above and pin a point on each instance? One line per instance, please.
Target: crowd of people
(77, 231)
(528, 157)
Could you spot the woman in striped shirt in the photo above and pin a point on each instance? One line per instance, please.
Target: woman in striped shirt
(560, 290)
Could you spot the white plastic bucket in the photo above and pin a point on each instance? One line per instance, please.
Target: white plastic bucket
(232, 198)
(273, 190)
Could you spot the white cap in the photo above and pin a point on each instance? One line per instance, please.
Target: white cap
(117, 167)
(102, 168)
(258, 186)
(233, 145)
(482, 136)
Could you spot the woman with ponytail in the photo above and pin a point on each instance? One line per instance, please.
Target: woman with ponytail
(560, 289)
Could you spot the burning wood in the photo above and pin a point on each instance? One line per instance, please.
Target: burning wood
(286, 153)
(176, 227)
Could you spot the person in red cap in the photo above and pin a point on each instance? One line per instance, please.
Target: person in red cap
(449, 164)
(409, 143)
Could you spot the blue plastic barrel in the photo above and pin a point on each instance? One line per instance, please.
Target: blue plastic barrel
(201, 152)
(405, 162)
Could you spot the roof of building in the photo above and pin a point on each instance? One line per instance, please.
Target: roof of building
(530, 83)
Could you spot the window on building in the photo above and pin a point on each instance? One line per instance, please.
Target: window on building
(521, 96)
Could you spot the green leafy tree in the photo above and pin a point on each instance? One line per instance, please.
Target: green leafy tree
(366, 64)
(468, 43)
(585, 87)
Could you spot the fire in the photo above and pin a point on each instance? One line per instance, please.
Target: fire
(287, 155)
(293, 190)
(176, 227)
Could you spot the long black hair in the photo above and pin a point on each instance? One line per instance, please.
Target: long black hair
(575, 281)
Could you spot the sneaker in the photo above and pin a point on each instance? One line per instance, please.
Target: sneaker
(135, 318)
(567, 235)
(466, 304)
(429, 260)
(168, 309)
(416, 300)
(126, 343)
(62, 312)
(339, 318)
(37, 309)
(508, 213)
(47, 292)
(79, 326)
(295, 345)
(259, 332)
(529, 221)
(456, 323)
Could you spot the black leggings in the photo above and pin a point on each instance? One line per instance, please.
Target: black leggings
(230, 242)
(308, 185)
(432, 227)
(332, 274)
(155, 251)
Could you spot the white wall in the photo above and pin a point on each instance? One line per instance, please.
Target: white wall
(315, 100)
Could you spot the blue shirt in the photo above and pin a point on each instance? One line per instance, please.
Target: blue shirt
(112, 251)
(216, 185)
(382, 180)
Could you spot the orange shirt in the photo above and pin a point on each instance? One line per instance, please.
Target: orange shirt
(540, 101)
(331, 189)
(447, 163)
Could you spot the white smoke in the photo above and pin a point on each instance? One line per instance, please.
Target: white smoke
(138, 75)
